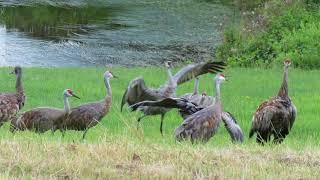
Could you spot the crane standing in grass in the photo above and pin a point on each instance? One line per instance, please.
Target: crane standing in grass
(276, 115)
(11, 103)
(191, 103)
(203, 124)
(43, 119)
(202, 101)
(137, 91)
(88, 115)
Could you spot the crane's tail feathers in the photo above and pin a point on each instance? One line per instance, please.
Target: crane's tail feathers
(179, 133)
(232, 127)
(124, 99)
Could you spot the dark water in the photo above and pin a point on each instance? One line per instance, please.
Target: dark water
(123, 32)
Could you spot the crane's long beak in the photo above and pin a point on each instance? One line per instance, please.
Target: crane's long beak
(75, 96)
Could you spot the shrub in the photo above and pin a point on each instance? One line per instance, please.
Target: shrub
(302, 46)
(279, 29)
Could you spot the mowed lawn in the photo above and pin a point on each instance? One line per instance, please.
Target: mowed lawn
(115, 148)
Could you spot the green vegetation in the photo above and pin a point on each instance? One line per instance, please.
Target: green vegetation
(272, 31)
(115, 148)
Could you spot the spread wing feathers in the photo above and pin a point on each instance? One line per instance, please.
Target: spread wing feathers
(232, 127)
(193, 70)
(137, 91)
(179, 103)
(200, 126)
(199, 99)
(274, 114)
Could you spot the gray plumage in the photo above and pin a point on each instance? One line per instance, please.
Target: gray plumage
(88, 115)
(202, 101)
(275, 117)
(203, 124)
(191, 103)
(187, 108)
(11, 103)
(232, 127)
(43, 119)
(137, 91)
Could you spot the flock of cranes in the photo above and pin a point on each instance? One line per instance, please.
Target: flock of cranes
(201, 113)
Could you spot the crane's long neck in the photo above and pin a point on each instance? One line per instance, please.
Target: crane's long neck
(19, 87)
(283, 92)
(217, 85)
(171, 81)
(108, 87)
(196, 86)
(66, 104)
(217, 104)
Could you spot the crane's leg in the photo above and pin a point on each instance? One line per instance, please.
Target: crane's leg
(63, 132)
(161, 123)
(52, 132)
(262, 137)
(279, 137)
(85, 133)
(139, 119)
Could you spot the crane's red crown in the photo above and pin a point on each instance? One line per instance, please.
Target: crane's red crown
(287, 61)
(70, 91)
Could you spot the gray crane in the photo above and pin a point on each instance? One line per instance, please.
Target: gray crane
(276, 115)
(191, 103)
(203, 101)
(88, 115)
(203, 124)
(11, 103)
(200, 123)
(137, 91)
(42, 119)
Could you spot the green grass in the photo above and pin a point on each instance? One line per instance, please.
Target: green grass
(109, 147)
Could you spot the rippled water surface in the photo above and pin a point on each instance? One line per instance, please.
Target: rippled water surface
(123, 32)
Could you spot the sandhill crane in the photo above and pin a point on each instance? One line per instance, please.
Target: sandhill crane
(88, 115)
(201, 100)
(42, 119)
(137, 91)
(191, 103)
(202, 125)
(11, 103)
(188, 108)
(276, 115)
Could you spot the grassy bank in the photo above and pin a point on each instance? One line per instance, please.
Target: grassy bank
(272, 30)
(110, 147)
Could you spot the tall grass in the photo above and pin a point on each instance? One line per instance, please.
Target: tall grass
(115, 148)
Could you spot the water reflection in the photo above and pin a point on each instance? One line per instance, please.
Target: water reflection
(124, 32)
(50, 22)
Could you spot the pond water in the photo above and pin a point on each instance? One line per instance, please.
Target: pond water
(123, 32)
